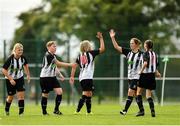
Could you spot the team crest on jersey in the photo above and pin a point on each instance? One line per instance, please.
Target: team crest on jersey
(84, 60)
(130, 62)
(53, 65)
(14, 69)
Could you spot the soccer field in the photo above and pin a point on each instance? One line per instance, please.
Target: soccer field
(103, 115)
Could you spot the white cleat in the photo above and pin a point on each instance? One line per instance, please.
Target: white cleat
(123, 112)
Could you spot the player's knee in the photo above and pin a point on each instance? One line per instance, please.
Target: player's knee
(90, 93)
(45, 95)
(131, 92)
(21, 98)
(138, 93)
(85, 93)
(148, 95)
(10, 98)
(59, 91)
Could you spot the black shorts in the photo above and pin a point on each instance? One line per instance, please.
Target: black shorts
(87, 85)
(133, 84)
(11, 89)
(48, 84)
(147, 81)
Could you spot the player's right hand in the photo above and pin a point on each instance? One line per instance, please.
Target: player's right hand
(99, 35)
(12, 82)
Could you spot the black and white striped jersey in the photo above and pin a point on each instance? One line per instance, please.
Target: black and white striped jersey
(48, 66)
(86, 64)
(15, 66)
(152, 61)
(134, 62)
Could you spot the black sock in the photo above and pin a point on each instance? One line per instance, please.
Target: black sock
(57, 102)
(140, 103)
(44, 104)
(88, 104)
(7, 106)
(21, 106)
(151, 103)
(81, 103)
(128, 103)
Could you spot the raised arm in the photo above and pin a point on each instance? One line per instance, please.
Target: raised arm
(101, 40)
(116, 46)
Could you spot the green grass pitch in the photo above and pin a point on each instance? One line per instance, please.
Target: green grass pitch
(105, 114)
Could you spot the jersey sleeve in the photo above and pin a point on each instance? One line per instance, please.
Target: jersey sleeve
(7, 63)
(25, 60)
(125, 51)
(146, 56)
(94, 53)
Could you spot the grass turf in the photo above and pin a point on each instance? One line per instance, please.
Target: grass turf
(103, 115)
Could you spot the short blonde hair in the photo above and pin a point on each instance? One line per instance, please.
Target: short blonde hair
(17, 45)
(50, 43)
(85, 46)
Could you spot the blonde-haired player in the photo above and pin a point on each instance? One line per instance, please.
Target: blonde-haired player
(48, 80)
(85, 61)
(13, 71)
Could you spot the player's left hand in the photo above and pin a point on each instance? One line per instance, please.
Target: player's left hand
(28, 79)
(158, 74)
(112, 33)
(62, 78)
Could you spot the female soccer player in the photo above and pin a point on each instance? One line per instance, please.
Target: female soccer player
(13, 72)
(147, 77)
(85, 61)
(48, 80)
(134, 57)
